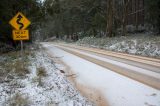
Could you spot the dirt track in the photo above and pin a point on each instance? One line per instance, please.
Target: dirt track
(141, 77)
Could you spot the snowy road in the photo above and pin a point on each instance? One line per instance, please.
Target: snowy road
(117, 90)
(142, 69)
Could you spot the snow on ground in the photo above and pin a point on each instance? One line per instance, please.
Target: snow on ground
(51, 90)
(117, 89)
(145, 45)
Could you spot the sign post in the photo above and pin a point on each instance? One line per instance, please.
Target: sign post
(21, 48)
(20, 23)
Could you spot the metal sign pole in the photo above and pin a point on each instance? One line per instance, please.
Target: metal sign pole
(22, 53)
(21, 49)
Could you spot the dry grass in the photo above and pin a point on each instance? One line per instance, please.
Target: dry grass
(12, 64)
(17, 67)
(20, 68)
(41, 72)
(19, 100)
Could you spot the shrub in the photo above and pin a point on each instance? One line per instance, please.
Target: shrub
(41, 72)
(20, 68)
(19, 100)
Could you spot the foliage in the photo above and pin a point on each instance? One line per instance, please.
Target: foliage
(138, 44)
(30, 8)
(153, 13)
(99, 17)
(71, 19)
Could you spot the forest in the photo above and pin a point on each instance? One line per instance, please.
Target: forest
(74, 19)
(80, 53)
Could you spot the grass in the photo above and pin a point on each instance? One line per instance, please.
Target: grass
(11, 63)
(41, 72)
(19, 100)
(20, 68)
(13, 69)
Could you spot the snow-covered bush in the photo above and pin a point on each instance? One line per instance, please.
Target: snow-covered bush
(130, 28)
(135, 44)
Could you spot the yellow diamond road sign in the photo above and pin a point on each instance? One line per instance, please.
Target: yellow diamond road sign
(20, 35)
(19, 21)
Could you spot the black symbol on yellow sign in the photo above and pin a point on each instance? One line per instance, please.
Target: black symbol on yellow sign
(19, 17)
(19, 21)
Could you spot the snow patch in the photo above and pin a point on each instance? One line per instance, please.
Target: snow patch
(55, 88)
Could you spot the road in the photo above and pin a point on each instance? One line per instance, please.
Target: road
(142, 70)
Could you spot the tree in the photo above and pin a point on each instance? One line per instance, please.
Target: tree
(80, 16)
(31, 8)
(125, 5)
(152, 13)
(110, 18)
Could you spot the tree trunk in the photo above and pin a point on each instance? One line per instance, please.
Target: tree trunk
(94, 32)
(110, 18)
(125, 16)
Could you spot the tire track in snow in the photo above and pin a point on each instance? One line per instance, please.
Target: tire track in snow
(140, 77)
